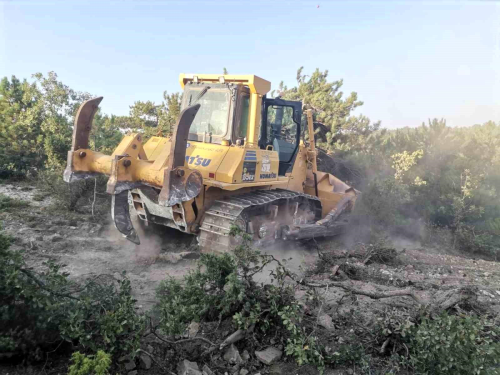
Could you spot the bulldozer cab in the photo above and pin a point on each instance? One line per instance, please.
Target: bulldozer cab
(224, 118)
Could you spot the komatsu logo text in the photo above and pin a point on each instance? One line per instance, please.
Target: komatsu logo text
(196, 160)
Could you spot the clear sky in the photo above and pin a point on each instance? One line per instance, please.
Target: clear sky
(408, 61)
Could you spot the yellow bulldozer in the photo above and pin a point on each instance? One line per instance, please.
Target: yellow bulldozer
(235, 158)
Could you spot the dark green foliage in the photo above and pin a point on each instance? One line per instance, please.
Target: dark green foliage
(38, 310)
(209, 291)
(449, 344)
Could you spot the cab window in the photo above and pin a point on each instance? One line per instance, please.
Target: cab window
(213, 116)
(245, 108)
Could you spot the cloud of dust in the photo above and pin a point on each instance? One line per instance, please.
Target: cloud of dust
(148, 250)
(295, 256)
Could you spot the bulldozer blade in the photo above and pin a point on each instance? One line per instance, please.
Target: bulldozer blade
(121, 217)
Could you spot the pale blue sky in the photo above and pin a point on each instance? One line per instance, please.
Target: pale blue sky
(407, 61)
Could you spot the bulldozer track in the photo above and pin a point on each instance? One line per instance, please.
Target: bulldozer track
(240, 210)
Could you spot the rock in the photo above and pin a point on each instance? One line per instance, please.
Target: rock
(188, 368)
(245, 356)
(269, 356)
(207, 371)
(134, 372)
(325, 321)
(232, 355)
(145, 361)
(130, 365)
(55, 238)
(193, 329)
(39, 238)
(244, 371)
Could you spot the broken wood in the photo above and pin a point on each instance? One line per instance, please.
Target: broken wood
(236, 336)
(334, 270)
(439, 302)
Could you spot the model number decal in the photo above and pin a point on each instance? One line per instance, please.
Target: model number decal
(196, 161)
(248, 173)
(267, 175)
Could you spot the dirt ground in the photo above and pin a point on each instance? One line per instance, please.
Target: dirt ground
(89, 248)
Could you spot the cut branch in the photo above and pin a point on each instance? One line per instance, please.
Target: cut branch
(372, 295)
(42, 285)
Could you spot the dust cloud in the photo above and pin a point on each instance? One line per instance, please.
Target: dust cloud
(151, 243)
(296, 257)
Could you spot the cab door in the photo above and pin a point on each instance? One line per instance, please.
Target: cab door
(280, 128)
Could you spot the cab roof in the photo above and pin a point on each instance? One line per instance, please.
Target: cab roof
(256, 84)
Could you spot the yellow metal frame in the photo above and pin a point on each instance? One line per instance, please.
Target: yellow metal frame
(256, 84)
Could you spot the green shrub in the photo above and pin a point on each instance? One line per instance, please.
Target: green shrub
(223, 286)
(105, 317)
(90, 364)
(450, 344)
(40, 309)
(209, 291)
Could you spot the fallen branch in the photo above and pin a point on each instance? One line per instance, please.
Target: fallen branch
(352, 289)
(334, 270)
(440, 301)
(384, 346)
(42, 285)
(236, 336)
(372, 295)
(184, 340)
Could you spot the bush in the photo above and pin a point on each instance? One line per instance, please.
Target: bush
(38, 310)
(223, 286)
(90, 364)
(450, 344)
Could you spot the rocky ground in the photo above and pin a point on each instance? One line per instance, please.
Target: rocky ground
(353, 280)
